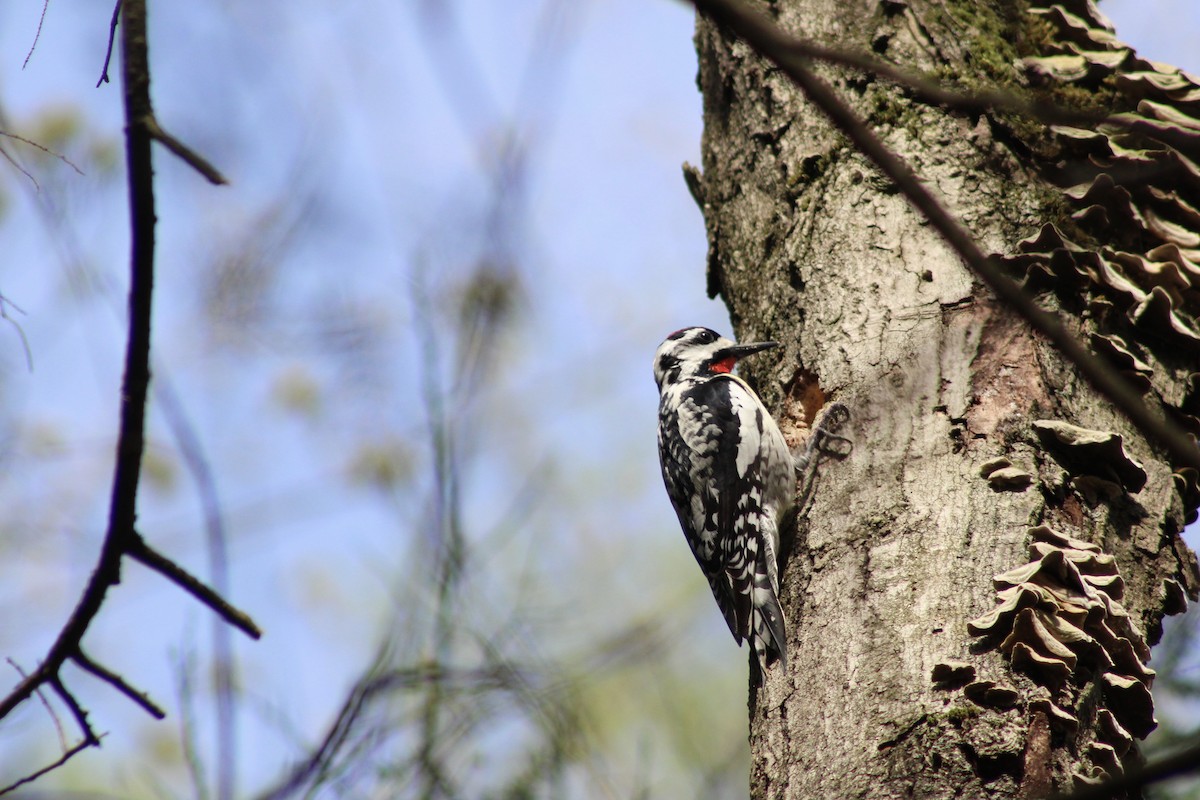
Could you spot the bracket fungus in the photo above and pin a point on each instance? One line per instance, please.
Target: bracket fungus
(1004, 477)
(1123, 250)
(1174, 597)
(1060, 621)
(1096, 453)
(1127, 246)
(1187, 484)
(1118, 353)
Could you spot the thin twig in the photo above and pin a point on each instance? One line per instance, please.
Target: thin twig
(144, 554)
(187, 154)
(224, 666)
(187, 726)
(37, 35)
(62, 735)
(374, 680)
(119, 683)
(375, 686)
(112, 35)
(5, 304)
(450, 545)
(90, 739)
(33, 776)
(44, 149)
(768, 40)
(85, 727)
(8, 157)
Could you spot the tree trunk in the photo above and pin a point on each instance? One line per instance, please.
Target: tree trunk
(922, 661)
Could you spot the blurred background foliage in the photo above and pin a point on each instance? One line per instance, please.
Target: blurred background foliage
(400, 406)
(402, 411)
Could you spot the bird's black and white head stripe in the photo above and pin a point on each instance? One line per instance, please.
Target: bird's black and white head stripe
(697, 353)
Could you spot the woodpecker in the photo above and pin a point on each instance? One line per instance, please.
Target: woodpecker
(731, 478)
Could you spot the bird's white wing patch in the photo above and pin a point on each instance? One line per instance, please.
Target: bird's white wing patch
(745, 404)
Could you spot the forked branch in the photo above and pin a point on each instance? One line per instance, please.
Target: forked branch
(120, 539)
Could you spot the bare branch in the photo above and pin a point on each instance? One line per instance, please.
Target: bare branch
(119, 683)
(8, 157)
(144, 554)
(112, 35)
(764, 37)
(85, 727)
(90, 739)
(130, 440)
(374, 680)
(375, 685)
(130, 444)
(189, 156)
(121, 539)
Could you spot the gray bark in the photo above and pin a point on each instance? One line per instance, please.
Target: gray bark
(897, 548)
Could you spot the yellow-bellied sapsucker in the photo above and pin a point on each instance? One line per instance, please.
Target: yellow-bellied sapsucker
(731, 478)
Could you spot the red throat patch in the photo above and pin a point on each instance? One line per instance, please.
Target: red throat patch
(724, 365)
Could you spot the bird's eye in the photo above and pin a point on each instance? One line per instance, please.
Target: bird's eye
(706, 337)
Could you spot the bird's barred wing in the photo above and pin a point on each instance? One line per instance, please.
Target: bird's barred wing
(689, 444)
(709, 468)
(748, 471)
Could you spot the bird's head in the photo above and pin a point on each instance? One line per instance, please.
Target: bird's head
(698, 352)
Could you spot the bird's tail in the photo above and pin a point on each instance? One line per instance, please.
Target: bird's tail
(767, 625)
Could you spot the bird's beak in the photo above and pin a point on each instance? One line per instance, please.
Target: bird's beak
(723, 360)
(740, 351)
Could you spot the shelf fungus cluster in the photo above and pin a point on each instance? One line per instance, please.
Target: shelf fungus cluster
(1060, 621)
(1127, 249)
(1119, 251)
(1096, 460)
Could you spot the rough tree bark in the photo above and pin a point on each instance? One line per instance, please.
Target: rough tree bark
(971, 595)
